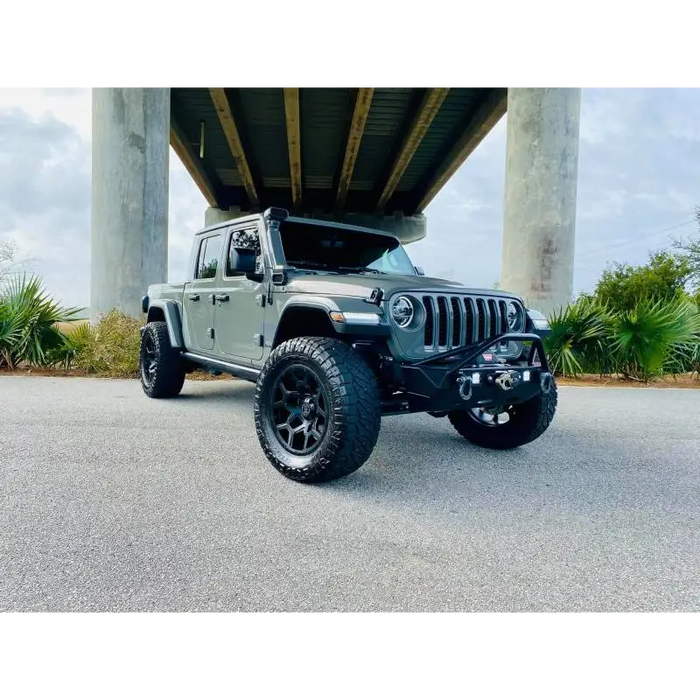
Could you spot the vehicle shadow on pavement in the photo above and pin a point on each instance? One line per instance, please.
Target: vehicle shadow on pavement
(560, 472)
(217, 392)
(419, 461)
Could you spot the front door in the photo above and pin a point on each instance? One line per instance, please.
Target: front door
(239, 309)
(199, 294)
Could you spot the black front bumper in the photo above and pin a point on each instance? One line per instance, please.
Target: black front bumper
(466, 378)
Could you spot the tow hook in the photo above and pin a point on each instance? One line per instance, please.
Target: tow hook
(546, 382)
(505, 380)
(464, 382)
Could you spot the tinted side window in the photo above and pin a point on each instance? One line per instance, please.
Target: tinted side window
(243, 239)
(208, 259)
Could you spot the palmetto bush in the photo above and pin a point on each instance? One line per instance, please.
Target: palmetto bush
(580, 339)
(77, 337)
(37, 331)
(684, 359)
(656, 337)
(28, 324)
(653, 338)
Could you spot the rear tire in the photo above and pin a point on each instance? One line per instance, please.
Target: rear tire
(317, 409)
(162, 367)
(526, 422)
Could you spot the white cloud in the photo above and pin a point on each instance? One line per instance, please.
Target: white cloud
(45, 191)
(72, 106)
(185, 216)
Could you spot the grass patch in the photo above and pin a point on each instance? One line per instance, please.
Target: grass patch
(110, 348)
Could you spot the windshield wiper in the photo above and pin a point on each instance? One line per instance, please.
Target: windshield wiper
(358, 268)
(310, 265)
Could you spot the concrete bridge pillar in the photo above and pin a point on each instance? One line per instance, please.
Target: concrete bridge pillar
(213, 215)
(540, 200)
(129, 237)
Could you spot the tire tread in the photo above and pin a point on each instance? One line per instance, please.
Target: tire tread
(170, 369)
(356, 407)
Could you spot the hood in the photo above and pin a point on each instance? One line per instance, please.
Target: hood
(359, 285)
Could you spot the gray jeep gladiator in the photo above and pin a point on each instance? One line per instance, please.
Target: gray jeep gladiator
(337, 328)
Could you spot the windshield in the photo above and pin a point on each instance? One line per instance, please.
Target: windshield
(315, 246)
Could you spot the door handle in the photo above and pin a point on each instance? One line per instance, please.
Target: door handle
(221, 297)
(193, 297)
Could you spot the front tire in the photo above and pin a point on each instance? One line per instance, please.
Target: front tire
(317, 409)
(161, 366)
(525, 422)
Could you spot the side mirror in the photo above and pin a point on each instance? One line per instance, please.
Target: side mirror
(419, 271)
(242, 260)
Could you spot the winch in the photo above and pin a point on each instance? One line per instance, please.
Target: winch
(500, 376)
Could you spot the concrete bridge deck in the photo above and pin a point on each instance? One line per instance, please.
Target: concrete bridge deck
(331, 150)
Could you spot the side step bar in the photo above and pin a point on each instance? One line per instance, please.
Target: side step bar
(249, 373)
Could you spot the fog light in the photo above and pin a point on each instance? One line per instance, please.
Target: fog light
(476, 378)
(526, 375)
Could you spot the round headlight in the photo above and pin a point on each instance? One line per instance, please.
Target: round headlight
(402, 311)
(513, 315)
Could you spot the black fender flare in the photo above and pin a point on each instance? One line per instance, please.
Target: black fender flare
(351, 326)
(173, 320)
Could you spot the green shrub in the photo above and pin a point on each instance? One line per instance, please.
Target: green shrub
(10, 333)
(663, 278)
(580, 339)
(77, 336)
(694, 298)
(28, 324)
(651, 339)
(110, 348)
(653, 336)
(683, 358)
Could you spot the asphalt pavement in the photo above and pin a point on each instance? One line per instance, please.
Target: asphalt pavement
(114, 502)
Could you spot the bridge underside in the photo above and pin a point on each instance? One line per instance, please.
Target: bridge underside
(328, 151)
(369, 156)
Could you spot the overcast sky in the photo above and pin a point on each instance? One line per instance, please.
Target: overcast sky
(639, 173)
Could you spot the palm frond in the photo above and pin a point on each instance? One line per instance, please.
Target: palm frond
(579, 338)
(648, 335)
(29, 320)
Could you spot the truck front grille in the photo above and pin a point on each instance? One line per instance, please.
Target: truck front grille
(456, 321)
